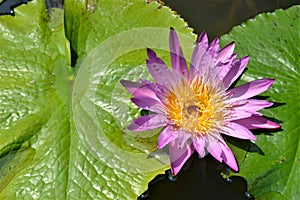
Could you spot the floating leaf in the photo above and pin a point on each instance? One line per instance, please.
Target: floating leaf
(34, 112)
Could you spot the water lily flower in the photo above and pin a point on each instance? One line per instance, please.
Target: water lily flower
(196, 105)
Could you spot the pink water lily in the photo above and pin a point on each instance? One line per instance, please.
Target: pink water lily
(196, 105)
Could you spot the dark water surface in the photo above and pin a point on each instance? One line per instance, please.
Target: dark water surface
(199, 179)
(217, 17)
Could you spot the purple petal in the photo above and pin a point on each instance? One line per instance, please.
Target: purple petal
(238, 131)
(204, 54)
(182, 137)
(158, 69)
(198, 53)
(148, 122)
(201, 62)
(144, 96)
(256, 122)
(179, 156)
(213, 48)
(140, 89)
(235, 71)
(160, 91)
(166, 136)
(131, 86)
(203, 40)
(145, 91)
(225, 53)
(228, 157)
(199, 50)
(223, 68)
(148, 103)
(216, 152)
(199, 145)
(240, 114)
(222, 152)
(252, 105)
(244, 110)
(177, 59)
(249, 89)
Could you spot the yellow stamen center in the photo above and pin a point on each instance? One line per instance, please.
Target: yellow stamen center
(197, 108)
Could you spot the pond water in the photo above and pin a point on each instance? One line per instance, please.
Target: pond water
(217, 17)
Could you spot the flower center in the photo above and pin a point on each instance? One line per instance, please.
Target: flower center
(196, 108)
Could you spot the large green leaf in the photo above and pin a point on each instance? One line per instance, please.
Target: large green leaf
(110, 40)
(273, 42)
(52, 149)
(34, 112)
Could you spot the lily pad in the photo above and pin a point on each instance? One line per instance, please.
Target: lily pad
(34, 112)
(272, 41)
